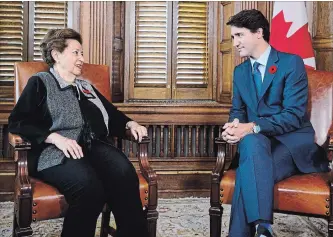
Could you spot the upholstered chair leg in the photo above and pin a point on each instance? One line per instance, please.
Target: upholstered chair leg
(215, 214)
(152, 216)
(106, 213)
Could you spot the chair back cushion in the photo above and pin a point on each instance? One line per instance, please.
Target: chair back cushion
(320, 106)
(98, 75)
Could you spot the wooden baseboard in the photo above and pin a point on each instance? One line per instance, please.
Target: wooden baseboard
(7, 174)
(6, 196)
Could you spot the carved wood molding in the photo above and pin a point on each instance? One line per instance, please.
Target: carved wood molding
(323, 34)
(177, 113)
(96, 21)
(118, 36)
(226, 55)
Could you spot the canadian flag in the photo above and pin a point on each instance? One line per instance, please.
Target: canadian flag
(290, 32)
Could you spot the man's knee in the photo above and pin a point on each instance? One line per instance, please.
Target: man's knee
(252, 140)
(253, 144)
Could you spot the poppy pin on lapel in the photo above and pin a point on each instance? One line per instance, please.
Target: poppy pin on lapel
(86, 91)
(272, 69)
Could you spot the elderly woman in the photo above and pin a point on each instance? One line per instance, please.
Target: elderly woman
(67, 121)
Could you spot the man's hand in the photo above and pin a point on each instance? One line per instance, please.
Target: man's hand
(232, 124)
(68, 146)
(137, 130)
(233, 134)
(228, 137)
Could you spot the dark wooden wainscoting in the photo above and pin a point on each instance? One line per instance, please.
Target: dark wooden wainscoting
(182, 148)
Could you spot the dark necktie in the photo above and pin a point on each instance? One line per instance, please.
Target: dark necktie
(257, 77)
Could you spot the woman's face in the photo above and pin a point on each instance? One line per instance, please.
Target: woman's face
(71, 59)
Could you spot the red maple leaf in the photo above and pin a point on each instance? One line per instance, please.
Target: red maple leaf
(299, 43)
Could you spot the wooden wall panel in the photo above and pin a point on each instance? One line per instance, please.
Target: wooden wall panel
(226, 55)
(104, 45)
(97, 40)
(323, 34)
(267, 9)
(247, 5)
(118, 36)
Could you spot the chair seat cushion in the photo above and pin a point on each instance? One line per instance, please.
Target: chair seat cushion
(48, 203)
(303, 193)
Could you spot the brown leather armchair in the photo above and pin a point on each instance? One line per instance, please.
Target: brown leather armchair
(35, 200)
(304, 194)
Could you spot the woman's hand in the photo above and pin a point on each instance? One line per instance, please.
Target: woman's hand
(137, 130)
(68, 146)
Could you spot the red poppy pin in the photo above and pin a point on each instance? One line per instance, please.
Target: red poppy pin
(86, 91)
(272, 69)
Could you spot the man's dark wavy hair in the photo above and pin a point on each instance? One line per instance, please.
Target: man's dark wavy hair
(252, 20)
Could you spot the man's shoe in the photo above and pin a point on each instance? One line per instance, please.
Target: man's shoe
(262, 231)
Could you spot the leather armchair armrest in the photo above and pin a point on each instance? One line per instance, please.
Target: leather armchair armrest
(147, 172)
(142, 155)
(17, 142)
(23, 189)
(221, 155)
(221, 158)
(217, 174)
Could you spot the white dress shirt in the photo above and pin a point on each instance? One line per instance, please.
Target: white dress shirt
(263, 61)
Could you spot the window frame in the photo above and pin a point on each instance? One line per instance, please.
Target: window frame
(73, 20)
(170, 91)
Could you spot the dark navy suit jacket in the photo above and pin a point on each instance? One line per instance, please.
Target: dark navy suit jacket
(281, 108)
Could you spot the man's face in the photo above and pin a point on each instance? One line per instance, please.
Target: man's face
(245, 41)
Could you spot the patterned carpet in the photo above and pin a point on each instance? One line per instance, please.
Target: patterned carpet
(186, 217)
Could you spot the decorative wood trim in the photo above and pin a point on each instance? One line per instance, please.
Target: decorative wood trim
(118, 36)
(172, 37)
(30, 46)
(215, 27)
(25, 30)
(179, 114)
(73, 18)
(129, 47)
(226, 55)
(97, 40)
(323, 35)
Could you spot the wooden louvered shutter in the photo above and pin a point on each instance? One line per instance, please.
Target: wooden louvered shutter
(191, 71)
(22, 26)
(11, 45)
(151, 51)
(46, 15)
(169, 50)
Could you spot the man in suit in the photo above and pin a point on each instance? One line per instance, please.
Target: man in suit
(269, 120)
